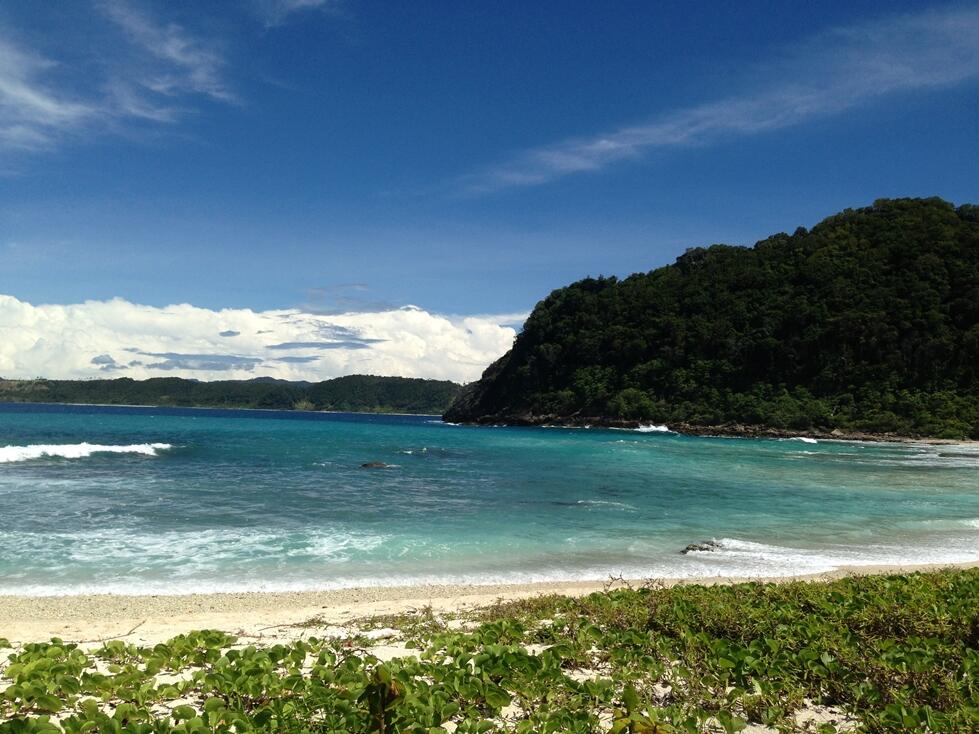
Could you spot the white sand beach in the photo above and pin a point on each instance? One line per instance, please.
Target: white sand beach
(275, 616)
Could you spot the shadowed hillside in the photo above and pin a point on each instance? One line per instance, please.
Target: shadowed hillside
(870, 321)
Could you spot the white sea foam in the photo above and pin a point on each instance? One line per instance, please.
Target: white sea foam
(743, 558)
(804, 439)
(133, 586)
(653, 429)
(180, 561)
(607, 503)
(922, 455)
(11, 454)
(733, 558)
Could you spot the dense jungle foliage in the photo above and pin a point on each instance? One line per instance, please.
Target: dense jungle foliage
(360, 393)
(870, 321)
(872, 655)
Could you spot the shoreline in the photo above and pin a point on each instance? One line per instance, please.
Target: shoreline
(725, 430)
(219, 407)
(256, 614)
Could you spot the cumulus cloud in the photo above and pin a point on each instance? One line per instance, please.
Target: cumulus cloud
(201, 362)
(343, 344)
(296, 360)
(105, 363)
(89, 339)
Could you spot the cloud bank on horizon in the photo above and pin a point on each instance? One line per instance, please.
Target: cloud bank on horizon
(117, 338)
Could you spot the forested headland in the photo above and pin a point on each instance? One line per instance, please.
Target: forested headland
(867, 322)
(353, 393)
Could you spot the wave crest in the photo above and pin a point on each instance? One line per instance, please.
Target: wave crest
(12, 454)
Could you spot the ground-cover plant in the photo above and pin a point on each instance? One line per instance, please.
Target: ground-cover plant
(880, 653)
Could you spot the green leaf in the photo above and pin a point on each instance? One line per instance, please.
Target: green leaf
(183, 712)
(631, 699)
(213, 704)
(496, 697)
(47, 702)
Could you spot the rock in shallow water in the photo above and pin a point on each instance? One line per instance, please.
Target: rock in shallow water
(707, 545)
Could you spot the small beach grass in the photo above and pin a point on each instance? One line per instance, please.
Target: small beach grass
(871, 653)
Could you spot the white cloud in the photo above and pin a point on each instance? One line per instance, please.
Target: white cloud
(146, 69)
(31, 112)
(189, 65)
(276, 12)
(831, 73)
(117, 338)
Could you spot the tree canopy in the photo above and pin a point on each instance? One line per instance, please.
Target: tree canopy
(354, 393)
(869, 321)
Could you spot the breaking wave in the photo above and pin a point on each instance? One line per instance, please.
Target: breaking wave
(743, 558)
(12, 454)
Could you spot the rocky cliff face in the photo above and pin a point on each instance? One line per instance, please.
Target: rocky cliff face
(473, 403)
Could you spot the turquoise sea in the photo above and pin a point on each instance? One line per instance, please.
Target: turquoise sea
(165, 501)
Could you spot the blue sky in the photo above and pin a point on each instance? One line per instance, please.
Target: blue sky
(466, 158)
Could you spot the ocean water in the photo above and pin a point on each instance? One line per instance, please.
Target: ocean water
(165, 501)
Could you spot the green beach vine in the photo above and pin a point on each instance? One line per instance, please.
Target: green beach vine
(869, 654)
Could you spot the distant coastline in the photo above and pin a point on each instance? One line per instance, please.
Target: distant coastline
(349, 394)
(733, 430)
(222, 407)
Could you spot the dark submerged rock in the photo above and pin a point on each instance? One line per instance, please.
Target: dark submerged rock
(707, 545)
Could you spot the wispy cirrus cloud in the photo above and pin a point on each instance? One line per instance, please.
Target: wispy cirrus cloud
(829, 74)
(142, 68)
(276, 12)
(32, 112)
(177, 62)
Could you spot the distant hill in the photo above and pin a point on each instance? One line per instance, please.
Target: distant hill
(868, 322)
(354, 393)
